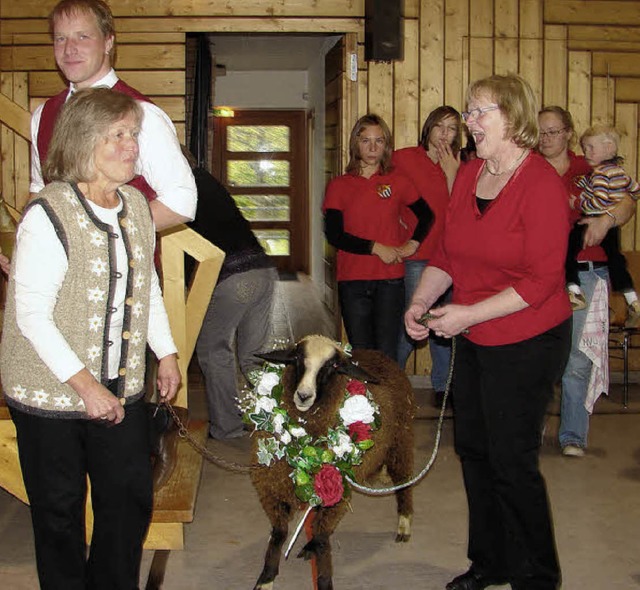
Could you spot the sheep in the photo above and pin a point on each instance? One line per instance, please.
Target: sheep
(314, 380)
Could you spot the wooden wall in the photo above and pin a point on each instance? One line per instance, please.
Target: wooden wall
(580, 54)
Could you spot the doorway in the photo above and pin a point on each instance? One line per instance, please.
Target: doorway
(261, 156)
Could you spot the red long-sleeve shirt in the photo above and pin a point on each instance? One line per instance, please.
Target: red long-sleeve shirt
(431, 184)
(519, 241)
(371, 209)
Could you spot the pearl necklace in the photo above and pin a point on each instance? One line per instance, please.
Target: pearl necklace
(510, 168)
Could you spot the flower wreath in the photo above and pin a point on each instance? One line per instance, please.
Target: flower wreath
(320, 465)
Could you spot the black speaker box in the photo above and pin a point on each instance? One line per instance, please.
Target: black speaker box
(384, 30)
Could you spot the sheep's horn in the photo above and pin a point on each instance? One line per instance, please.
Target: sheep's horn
(283, 356)
(349, 368)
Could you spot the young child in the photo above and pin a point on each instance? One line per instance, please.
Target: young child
(600, 192)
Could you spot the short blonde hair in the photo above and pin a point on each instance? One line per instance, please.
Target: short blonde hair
(84, 119)
(606, 132)
(516, 101)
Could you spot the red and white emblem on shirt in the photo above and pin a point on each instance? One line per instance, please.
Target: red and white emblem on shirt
(384, 191)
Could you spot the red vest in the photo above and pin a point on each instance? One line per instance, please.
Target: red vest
(50, 115)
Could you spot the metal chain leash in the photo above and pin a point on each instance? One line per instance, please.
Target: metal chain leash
(183, 432)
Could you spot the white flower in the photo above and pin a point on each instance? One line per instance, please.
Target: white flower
(265, 403)
(133, 384)
(98, 266)
(138, 307)
(139, 281)
(136, 338)
(95, 323)
(278, 423)
(83, 220)
(62, 402)
(19, 392)
(267, 383)
(97, 239)
(40, 397)
(344, 445)
(138, 253)
(134, 363)
(357, 409)
(297, 431)
(93, 352)
(285, 437)
(95, 295)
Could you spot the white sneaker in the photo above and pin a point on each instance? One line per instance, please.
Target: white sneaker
(573, 451)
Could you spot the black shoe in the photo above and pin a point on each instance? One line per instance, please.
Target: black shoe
(473, 580)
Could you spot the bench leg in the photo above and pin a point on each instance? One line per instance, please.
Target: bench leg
(158, 569)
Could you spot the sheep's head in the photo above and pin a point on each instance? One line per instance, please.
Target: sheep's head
(316, 359)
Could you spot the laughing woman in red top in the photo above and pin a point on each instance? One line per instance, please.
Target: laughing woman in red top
(362, 210)
(503, 249)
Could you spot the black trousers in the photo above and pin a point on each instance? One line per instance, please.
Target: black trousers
(56, 455)
(500, 397)
(372, 313)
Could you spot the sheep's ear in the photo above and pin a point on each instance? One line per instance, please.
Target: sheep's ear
(349, 368)
(284, 356)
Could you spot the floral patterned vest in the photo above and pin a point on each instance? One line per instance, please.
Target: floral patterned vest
(85, 304)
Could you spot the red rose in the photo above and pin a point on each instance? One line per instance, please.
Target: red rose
(359, 431)
(355, 387)
(328, 485)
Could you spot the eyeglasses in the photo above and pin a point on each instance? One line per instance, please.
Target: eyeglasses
(478, 112)
(552, 132)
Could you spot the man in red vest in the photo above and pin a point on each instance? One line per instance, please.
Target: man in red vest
(83, 43)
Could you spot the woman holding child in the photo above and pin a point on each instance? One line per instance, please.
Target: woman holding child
(557, 133)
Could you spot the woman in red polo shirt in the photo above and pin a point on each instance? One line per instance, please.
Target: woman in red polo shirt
(362, 210)
(503, 249)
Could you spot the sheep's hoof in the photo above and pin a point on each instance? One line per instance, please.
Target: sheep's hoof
(309, 551)
(264, 586)
(404, 529)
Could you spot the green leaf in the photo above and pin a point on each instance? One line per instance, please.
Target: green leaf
(262, 420)
(305, 492)
(365, 445)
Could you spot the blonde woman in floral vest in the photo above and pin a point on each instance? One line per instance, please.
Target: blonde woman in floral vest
(83, 302)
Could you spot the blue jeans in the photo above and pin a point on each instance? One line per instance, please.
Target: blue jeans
(440, 348)
(371, 311)
(574, 418)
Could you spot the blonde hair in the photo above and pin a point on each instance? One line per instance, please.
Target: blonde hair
(516, 101)
(606, 132)
(355, 159)
(84, 119)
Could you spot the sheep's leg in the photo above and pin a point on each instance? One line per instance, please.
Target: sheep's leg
(324, 523)
(272, 559)
(400, 467)
(320, 548)
(279, 513)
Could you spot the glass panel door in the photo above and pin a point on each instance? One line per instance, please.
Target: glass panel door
(261, 158)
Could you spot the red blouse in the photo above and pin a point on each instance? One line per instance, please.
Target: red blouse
(519, 241)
